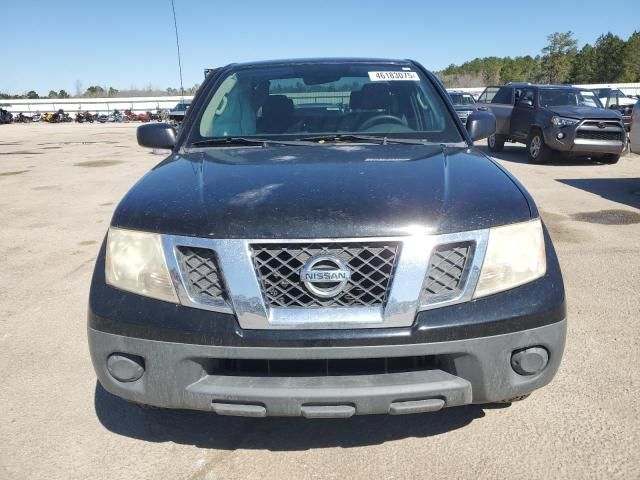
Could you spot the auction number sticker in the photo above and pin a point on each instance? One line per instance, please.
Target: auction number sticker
(386, 76)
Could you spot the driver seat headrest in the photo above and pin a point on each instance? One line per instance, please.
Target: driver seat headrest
(376, 96)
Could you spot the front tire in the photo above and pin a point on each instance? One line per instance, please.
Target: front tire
(537, 150)
(495, 143)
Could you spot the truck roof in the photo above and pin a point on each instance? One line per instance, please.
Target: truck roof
(298, 61)
(536, 85)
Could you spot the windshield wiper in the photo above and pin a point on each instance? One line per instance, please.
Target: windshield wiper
(381, 140)
(247, 141)
(316, 139)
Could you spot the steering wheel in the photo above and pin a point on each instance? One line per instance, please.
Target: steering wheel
(382, 118)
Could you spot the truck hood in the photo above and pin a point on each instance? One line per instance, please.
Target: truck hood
(322, 191)
(585, 112)
(625, 101)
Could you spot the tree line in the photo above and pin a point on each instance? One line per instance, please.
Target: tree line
(609, 60)
(97, 91)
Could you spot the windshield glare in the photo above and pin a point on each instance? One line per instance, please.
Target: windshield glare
(566, 97)
(462, 99)
(306, 100)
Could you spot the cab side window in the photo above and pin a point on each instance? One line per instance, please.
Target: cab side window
(504, 95)
(527, 97)
(615, 97)
(518, 94)
(488, 95)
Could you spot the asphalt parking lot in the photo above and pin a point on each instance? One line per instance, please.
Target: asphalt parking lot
(59, 185)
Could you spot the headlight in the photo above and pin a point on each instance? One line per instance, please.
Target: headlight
(563, 121)
(135, 262)
(515, 255)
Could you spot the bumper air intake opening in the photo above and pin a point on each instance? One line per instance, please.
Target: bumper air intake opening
(238, 367)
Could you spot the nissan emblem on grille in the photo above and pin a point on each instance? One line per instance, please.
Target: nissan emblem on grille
(364, 269)
(325, 276)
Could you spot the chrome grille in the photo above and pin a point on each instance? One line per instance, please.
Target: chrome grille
(278, 269)
(464, 114)
(202, 276)
(607, 122)
(606, 129)
(446, 272)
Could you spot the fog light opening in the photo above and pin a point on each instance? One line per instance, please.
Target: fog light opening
(125, 367)
(560, 136)
(530, 361)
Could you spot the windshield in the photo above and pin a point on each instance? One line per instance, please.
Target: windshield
(567, 97)
(308, 100)
(462, 99)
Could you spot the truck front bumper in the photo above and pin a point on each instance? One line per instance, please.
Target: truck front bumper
(571, 145)
(180, 375)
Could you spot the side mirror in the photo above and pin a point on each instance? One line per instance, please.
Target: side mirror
(481, 124)
(156, 135)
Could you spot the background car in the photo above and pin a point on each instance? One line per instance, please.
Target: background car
(634, 136)
(5, 115)
(177, 113)
(616, 99)
(464, 103)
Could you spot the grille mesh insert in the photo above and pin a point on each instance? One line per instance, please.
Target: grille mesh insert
(446, 270)
(593, 135)
(278, 269)
(200, 269)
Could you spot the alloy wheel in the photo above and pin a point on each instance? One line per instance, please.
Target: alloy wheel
(535, 146)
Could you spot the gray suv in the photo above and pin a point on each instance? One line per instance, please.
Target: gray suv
(558, 118)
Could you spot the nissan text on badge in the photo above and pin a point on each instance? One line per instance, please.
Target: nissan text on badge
(324, 240)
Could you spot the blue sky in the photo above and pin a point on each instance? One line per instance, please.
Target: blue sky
(52, 45)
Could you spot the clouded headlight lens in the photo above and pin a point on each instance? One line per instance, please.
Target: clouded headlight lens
(135, 262)
(515, 255)
(563, 122)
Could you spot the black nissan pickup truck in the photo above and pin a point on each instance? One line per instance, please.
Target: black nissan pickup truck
(554, 118)
(324, 240)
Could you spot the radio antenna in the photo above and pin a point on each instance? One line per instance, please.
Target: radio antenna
(175, 26)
